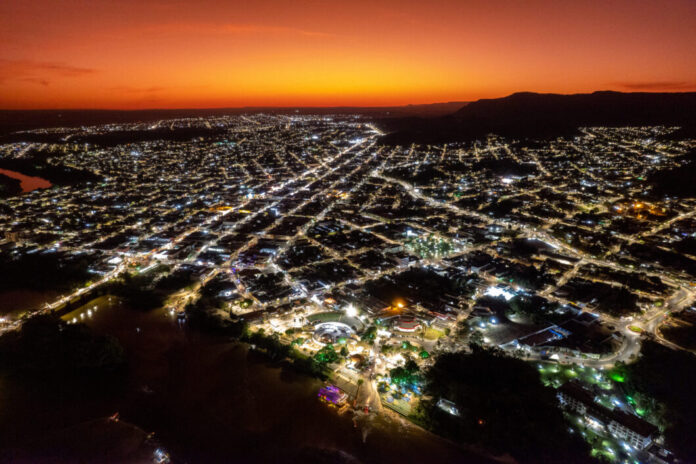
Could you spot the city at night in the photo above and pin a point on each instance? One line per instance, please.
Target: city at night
(347, 232)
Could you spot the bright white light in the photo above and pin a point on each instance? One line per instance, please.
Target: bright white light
(497, 291)
(351, 311)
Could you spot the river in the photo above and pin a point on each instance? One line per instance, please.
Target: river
(27, 183)
(13, 303)
(207, 400)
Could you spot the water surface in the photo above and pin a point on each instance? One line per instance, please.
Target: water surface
(27, 183)
(208, 400)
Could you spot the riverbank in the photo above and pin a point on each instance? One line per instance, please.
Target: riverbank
(9, 186)
(24, 182)
(208, 399)
(14, 303)
(104, 440)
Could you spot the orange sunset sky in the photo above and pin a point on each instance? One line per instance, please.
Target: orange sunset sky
(204, 53)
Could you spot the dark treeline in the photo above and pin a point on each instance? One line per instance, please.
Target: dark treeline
(503, 407)
(669, 377)
(55, 173)
(148, 291)
(46, 345)
(180, 134)
(9, 186)
(676, 182)
(203, 315)
(43, 271)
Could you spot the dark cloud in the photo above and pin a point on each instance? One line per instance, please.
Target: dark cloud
(139, 90)
(232, 29)
(35, 80)
(38, 72)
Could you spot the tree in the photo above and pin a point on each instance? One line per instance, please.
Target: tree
(45, 344)
(667, 376)
(370, 334)
(411, 366)
(326, 355)
(407, 346)
(406, 375)
(503, 406)
(136, 291)
(309, 366)
(536, 308)
(201, 317)
(476, 338)
(400, 376)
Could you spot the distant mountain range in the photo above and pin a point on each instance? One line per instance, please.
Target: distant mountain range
(533, 115)
(19, 120)
(522, 115)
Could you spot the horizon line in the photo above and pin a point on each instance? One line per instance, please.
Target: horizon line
(294, 107)
(280, 107)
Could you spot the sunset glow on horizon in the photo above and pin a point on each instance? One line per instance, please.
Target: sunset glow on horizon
(175, 54)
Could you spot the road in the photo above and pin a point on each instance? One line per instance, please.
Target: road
(305, 178)
(649, 321)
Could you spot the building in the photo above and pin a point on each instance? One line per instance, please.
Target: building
(332, 394)
(626, 427)
(632, 429)
(407, 324)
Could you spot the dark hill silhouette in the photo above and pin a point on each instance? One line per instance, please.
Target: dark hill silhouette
(533, 115)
